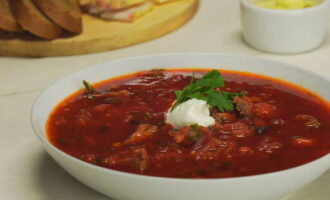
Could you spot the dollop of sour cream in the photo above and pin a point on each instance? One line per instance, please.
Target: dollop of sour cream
(193, 111)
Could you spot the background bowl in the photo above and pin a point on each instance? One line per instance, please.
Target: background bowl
(120, 185)
(284, 31)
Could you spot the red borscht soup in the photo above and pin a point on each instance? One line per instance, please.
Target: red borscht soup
(120, 124)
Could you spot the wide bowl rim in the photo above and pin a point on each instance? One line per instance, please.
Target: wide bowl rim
(47, 143)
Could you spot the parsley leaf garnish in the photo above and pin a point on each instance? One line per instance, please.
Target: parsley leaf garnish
(206, 89)
(89, 89)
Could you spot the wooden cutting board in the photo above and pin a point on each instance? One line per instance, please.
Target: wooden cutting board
(100, 35)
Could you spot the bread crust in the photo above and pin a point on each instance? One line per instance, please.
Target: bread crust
(7, 20)
(31, 19)
(65, 13)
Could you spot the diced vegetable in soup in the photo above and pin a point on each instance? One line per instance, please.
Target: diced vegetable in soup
(255, 125)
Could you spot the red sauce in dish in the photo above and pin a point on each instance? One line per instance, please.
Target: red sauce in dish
(122, 126)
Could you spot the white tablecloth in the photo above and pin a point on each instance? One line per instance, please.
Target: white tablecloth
(28, 173)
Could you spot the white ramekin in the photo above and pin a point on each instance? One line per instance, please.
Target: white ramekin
(284, 31)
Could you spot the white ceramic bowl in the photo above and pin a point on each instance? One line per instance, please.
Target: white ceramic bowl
(125, 186)
(284, 31)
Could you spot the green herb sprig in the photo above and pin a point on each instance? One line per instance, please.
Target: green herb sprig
(89, 89)
(205, 89)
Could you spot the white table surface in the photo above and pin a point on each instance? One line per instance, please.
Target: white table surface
(26, 170)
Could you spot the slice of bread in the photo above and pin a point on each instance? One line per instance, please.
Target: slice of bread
(65, 13)
(31, 19)
(7, 20)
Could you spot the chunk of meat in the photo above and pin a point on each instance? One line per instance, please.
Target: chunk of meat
(278, 121)
(238, 130)
(310, 121)
(264, 110)
(101, 108)
(259, 122)
(269, 145)
(180, 135)
(224, 117)
(244, 105)
(169, 154)
(214, 149)
(83, 117)
(91, 158)
(144, 132)
(136, 116)
(256, 99)
(187, 134)
(89, 141)
(205, 138)
(128, 14)
(99, 6)
(303, 142)
(245, 151)
(119, 93)
(156, 73)
(137, 158)
(260, 130)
